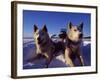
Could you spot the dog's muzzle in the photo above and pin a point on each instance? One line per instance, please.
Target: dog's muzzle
(39, 40)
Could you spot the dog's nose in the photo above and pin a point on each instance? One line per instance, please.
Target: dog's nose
(81, 35)
(38, 38)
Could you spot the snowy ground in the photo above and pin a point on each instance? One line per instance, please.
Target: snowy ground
(29, 50)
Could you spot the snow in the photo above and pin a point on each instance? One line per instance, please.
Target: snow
(29, 51)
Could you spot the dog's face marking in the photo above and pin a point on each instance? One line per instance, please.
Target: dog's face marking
(40, 36)
(75, 33)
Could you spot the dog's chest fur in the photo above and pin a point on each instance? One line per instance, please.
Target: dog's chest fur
(73, 48)
(47, 48)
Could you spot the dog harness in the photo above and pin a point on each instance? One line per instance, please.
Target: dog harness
(72, 47)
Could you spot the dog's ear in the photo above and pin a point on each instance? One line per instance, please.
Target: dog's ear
(35, 28)
(81, 26)
(45, 28)
(69, 25)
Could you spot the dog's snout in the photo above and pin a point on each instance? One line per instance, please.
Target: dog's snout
(81, 35)
(38, 38)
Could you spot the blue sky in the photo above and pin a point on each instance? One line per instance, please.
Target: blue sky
(54, 21)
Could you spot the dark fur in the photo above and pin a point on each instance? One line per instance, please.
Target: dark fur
(45, 47)
(73, 47)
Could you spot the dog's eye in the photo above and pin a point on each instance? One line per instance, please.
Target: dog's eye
(75, 30)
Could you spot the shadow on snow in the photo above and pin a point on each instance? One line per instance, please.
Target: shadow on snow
(29, 51)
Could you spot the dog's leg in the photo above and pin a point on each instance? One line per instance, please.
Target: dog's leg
(48, 62)
(48, 59)
(80, 58)
(68, 60)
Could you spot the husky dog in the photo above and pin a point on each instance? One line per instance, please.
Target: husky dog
(73, 47)
(45, 47)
